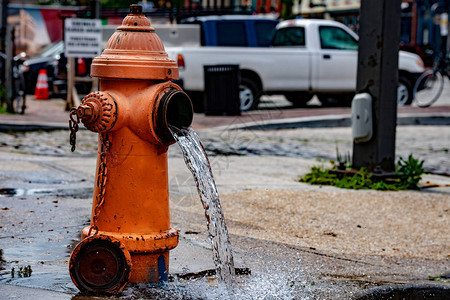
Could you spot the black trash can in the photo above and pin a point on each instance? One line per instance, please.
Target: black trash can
(222, 90)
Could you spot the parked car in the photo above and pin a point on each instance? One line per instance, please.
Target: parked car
(52, 59)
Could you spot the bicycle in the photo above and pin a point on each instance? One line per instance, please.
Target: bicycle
(429, 86)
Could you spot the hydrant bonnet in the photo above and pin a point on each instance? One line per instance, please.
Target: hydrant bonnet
(135, 51)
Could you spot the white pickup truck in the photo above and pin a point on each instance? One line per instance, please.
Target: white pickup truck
(307, 57)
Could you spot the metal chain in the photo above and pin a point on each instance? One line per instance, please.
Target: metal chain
(101, 181)
(102, 169)
(73, 126)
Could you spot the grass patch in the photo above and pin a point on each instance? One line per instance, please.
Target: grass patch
(407, 177)
(441, 278)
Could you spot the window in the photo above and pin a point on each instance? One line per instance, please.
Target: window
(264, 31)
(336, 38)
(231, 34)
(289, 36)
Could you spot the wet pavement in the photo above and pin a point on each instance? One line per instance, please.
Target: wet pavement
(299, 241)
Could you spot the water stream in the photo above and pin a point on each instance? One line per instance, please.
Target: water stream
(198, 163)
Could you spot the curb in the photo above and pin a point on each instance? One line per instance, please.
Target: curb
(341, 121)
(25, 127)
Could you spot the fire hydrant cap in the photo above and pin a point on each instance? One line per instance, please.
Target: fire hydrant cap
(135, 51)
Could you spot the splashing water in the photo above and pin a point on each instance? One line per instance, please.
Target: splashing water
(198, 163)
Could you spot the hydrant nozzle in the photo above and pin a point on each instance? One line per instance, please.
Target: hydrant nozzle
(129, 237)
(98, 112)
(174, 110)
(84, 111)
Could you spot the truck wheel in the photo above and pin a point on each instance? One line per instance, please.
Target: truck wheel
(248, 94)
(404, 92)
(333, 100)
(298, 99)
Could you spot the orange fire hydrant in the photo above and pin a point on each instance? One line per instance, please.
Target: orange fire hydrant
(129, 237)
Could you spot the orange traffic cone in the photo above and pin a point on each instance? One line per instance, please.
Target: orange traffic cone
(41, 91)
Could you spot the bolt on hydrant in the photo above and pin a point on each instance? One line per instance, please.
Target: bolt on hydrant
(129, 237)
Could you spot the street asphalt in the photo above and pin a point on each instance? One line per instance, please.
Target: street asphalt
(298, 241)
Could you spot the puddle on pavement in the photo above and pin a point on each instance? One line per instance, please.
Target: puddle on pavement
(80, 193)
(41, 264)
(2, 261)
(9, 192)
(204, 285)
(38, 247)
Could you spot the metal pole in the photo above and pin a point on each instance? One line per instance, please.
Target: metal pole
(3, 24)
(378, 76)
(95, 9)
(70, 82)
(9, 68)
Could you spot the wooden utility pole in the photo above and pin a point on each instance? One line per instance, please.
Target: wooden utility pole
(378, 75)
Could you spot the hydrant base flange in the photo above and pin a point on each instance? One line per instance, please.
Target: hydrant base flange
(149, 252)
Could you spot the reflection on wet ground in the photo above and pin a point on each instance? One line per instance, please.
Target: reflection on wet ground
(38, 233)
(73, 193)
(2, 261)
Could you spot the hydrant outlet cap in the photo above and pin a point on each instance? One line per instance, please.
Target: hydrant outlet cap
(135, 51)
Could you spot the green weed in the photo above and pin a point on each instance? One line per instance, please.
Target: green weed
(407, 176)
(441, 278)
(22, 272)
(410, 172)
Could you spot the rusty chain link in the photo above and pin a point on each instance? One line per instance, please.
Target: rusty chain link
(101, 181)
(73, 127)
